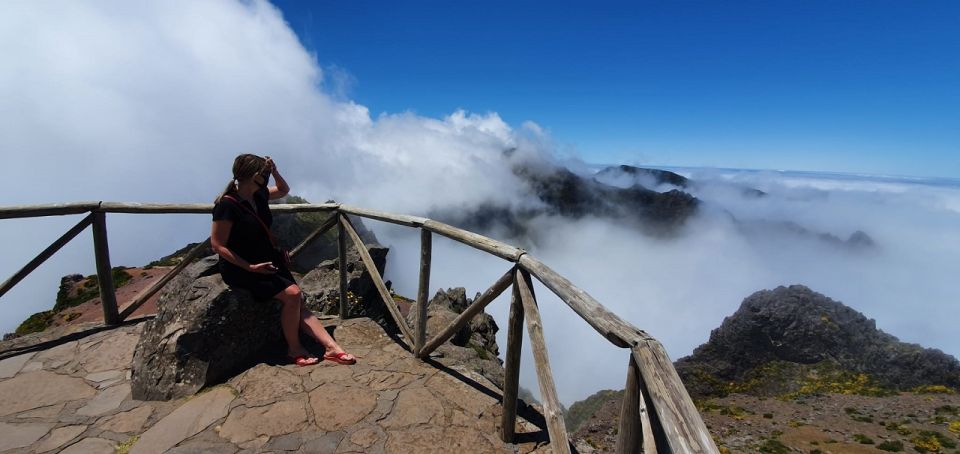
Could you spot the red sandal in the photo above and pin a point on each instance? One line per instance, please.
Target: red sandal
(303, 360)
(339, 358)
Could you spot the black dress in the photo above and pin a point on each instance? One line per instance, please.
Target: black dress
(249, 241)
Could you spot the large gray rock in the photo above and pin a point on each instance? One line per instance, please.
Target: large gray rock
(445, 306)
(472, 348)
(796, 327)
(321, 287)
(204, 333)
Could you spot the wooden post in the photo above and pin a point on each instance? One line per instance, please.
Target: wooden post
(101, 250)
(45, 254)
(648, 440)
(548, 392)
(378, 281)
(157, 286)
(471, 311)
(327, 225)
(677, 415)
(511, 366)
(342, 251)
(423, 291)
(629, 434)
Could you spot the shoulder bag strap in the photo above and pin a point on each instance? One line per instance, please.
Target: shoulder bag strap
(273, 240)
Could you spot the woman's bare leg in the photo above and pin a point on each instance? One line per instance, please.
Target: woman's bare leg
(310, 324)
(290, 320)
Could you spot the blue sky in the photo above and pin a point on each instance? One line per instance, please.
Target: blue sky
(858, 86)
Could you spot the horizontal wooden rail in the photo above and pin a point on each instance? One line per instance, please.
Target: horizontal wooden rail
(474, 240)
(62, 209)
(400, 219)
(156, 208)
(206, 208)
(54, 209)
(608, 324)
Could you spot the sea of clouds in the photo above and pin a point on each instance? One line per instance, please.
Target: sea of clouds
(150, 102)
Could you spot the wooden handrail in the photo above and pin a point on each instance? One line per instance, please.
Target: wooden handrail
(668, 419)
(62, 209)
(53, 209)
(399, 219)
(474, 240)
(608, 324)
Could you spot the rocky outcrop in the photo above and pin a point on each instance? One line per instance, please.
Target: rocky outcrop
(570, 195)
(561, 192)
(858, 241)
(639, 175)
(291, 229)
(321, 287)
(792, 327)
(474, 348)
(204, 333)
(593, 422)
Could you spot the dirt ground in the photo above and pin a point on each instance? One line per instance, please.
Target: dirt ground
(836, 423)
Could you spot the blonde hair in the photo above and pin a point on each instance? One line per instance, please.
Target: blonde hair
(244, 166)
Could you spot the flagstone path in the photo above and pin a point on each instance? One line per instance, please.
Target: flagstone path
(75, 398)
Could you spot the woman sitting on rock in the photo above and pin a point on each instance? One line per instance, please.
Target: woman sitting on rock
(250, 260)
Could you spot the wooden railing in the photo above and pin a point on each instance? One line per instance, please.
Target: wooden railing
(657, 414)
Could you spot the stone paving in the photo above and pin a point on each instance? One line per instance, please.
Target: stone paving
(75, 398)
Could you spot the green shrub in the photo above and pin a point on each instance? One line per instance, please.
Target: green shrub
(934, 389)
(772, 446)
(932, 441)
(89, 290)
(584, 409)
(948, 410)
(892, 446)
(862, 439)
(36, 323)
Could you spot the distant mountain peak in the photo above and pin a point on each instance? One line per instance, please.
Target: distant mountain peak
(796, 328)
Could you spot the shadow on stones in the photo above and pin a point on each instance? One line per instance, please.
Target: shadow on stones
(524, 410)
(46, 345)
